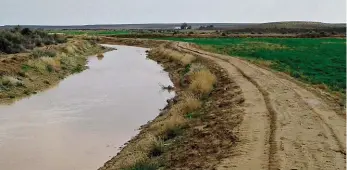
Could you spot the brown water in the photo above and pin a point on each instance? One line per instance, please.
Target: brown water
(82, 122)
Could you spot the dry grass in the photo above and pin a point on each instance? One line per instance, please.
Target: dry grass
(69, 61)
(146, 147)
(175, 119)
(175, 116)
(266, 63)
(196, 67)
(53, 63)
(132, 158)
(37, 64)
(321, 86)
(202, 81)
(189, 104)
(146, 143)
(69, 49)
(9, 81)
(182, 58)
(43, 64)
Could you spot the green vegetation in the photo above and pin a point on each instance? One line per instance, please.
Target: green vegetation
(317, 61)
(18, 40)
(91, 32)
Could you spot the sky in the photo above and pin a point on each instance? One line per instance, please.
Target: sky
(81, 12)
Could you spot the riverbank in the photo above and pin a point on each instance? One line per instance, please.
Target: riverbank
(198, 121)
(23, 74)
(250, 126)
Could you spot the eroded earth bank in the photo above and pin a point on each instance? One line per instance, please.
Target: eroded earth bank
(231, 114)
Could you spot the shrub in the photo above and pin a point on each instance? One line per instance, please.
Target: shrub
(26, 31)
(59, 38)
(37, 53)
(18, 40)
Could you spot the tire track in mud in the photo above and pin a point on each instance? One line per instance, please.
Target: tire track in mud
(273, 118)
(314, 110)
(270, 109)
(295, 149)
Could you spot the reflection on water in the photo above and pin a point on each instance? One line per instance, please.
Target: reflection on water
(80, 124)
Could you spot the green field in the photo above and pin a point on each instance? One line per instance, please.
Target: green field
(92, 32)
(316, 61)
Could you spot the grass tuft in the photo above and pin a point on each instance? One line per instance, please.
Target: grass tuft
(202, 81)
(38, 65)
(10, 81)
(51, 63)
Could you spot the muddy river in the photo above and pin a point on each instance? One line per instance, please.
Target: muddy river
(82, 122)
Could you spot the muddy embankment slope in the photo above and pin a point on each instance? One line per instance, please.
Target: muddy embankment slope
(281, 125)
(198, 122)
(23, 74)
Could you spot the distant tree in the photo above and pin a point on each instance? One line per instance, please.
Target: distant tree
(26, 31)
(189, 27)
(210, 26)
(17, 28)
(184, 26)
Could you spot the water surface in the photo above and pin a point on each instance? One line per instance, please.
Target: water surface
(82, 122)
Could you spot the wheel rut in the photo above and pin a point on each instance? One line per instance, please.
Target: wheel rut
(262, 160)
(303, 132)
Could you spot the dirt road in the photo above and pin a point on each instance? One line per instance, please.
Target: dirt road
(285, 126)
